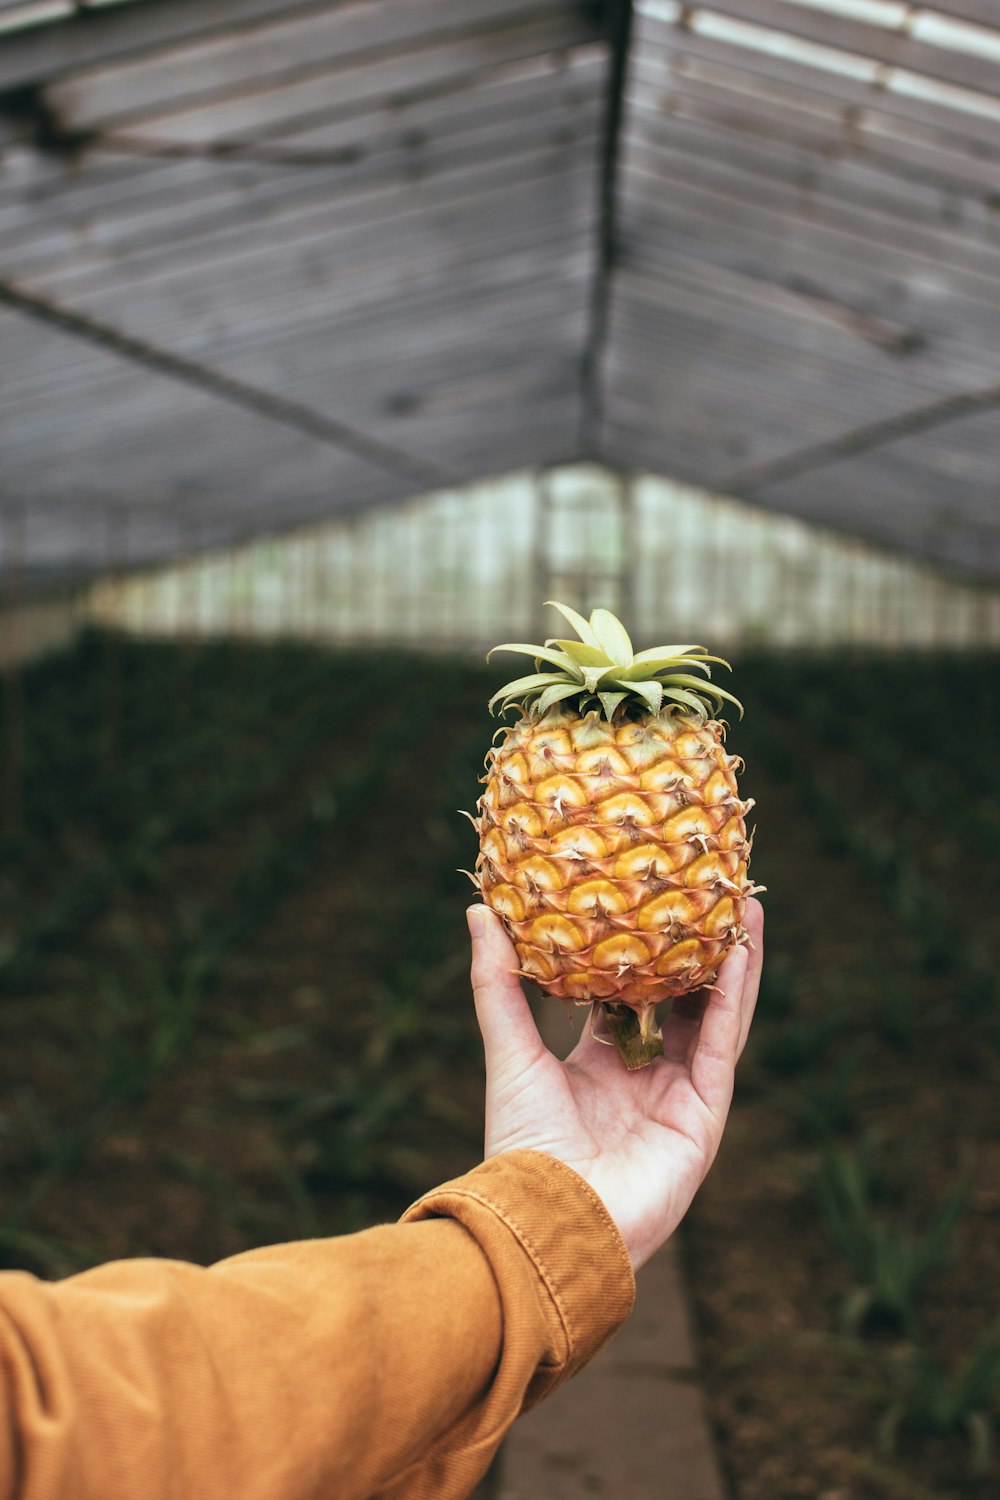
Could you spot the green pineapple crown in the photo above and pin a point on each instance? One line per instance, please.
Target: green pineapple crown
(601, 667)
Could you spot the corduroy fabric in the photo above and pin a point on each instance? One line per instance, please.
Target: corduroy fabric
(387, 1363)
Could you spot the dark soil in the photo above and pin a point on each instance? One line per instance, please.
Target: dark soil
(334, 1068)
(267, 1033)
(795, 1396)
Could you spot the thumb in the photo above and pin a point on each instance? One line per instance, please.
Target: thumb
(505, 1019)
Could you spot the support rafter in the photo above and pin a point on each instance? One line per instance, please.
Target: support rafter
(918, 419)
(372, 450)
(620, 34)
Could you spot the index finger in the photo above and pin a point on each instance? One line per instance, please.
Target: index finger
(505, 1020)
(753, 920)
(713, 1064)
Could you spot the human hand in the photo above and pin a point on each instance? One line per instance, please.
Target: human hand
(643, 1140)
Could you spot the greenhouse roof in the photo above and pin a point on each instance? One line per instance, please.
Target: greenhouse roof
(262, 261)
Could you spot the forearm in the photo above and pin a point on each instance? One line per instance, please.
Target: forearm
(389, 1362)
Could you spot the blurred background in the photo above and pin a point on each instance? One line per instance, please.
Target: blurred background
(335, 338)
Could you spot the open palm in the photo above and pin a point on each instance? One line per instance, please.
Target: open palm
(644, 1141)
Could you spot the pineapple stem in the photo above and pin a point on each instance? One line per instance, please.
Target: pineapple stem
(636, 1034)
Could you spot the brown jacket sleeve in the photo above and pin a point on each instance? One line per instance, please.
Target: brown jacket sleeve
(388, 1363)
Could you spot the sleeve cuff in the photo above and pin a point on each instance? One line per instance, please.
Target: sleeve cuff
(564, 1229)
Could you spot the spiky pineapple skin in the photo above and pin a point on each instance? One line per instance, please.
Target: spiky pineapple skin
(616, 853)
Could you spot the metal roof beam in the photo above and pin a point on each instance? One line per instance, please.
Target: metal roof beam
(382, 455)
(750, 481)
(620, 34)
(96, 36)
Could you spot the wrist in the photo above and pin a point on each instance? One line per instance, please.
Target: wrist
(567, 1235)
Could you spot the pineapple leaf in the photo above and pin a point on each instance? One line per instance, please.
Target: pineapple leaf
(582, 654)
(556, 693)
(651, 694)
(609, 702)
(681, 679)
(603, 665)
(522, 684)
(593, 675)
(681, 695)
(661, 664)
(612, 636)
(666, 653)
(656, 668)
(578, 623)
(541, 653)
(703, 655)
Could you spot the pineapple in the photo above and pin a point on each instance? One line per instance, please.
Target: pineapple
(612, 834)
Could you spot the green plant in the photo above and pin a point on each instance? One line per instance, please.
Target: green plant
(777, 988)
(46, 1254)
(896, 1013)
(827, 1107)
(800, 1044)
(926, 1398)
(888, 1259)
(347, 1134)
(975, 991)
(169, 790)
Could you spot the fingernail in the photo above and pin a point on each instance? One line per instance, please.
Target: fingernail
(474, 917)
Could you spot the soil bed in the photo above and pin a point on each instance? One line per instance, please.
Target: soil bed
(265, 1031)
(796, 1392)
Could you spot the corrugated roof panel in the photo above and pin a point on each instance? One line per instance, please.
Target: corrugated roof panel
(17, 15)
(383, 214)
(795, 266)
(249, 216)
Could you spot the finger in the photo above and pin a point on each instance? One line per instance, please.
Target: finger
(505, 1019)
(753, 920)
(714, 1061)
(682, 1024)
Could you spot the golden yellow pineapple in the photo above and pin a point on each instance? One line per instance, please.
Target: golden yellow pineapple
(612, 834)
